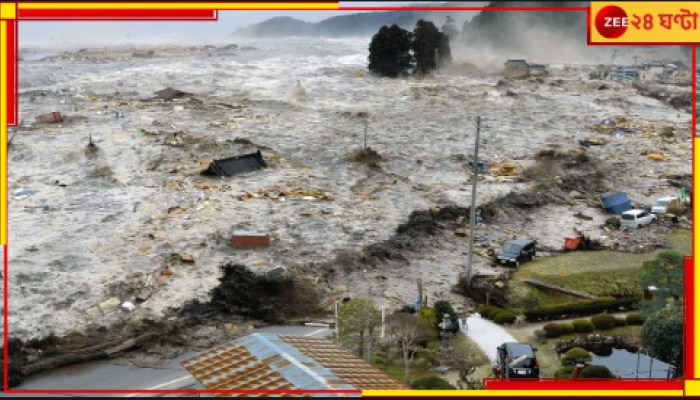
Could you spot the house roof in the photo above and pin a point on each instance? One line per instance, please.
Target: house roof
(237, 164)
(170, 94)
(514, 62)
(271, 362)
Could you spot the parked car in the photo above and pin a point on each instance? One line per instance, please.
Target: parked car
(516, 252)
(660, 207)
(636, 218)
(518, 360)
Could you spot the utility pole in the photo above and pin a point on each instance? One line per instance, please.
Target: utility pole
(613, 57)
(472, 210)
(336, 320)
(366, 119)
(635, 60)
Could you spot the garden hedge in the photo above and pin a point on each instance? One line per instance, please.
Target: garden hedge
(634, 318)
(581, 308)
(504, 317)
(603, 321)
(583, 326)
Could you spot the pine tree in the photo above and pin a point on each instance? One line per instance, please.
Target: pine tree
(389, 52)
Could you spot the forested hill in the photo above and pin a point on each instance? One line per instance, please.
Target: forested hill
(357, 24)
(513, 29)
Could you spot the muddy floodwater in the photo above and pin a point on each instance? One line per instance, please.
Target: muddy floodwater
(92, 226)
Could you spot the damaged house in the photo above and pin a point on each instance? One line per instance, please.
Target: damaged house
(236, 165)
(516, 68)
(172, 94)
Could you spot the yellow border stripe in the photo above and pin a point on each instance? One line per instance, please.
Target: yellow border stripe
(692, 388)
(3, 132)
(519, 393)
(8, 11)
(177, 6)
(696, 246)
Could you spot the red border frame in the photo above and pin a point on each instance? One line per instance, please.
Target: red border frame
(120, 14)
(198, 15)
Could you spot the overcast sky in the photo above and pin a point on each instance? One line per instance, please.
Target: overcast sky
(41, 32)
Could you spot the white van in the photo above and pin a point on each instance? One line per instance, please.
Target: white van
(636, 218)
(660, 207)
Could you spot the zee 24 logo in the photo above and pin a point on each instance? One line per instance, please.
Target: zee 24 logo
(612, 21)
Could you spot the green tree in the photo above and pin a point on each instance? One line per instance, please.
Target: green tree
(426, 43)
(390, 52)
(443, 50)
(576, 355)
(449, 29)
(662, 336)
(443, 307)
(382, 357)
(596, 371)
(665, 273)
(407, 331)
(429, 317)
(357, 325)
(432, 383)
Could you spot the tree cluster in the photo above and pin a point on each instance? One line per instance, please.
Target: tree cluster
(662, 332)
(409, 339)
(395, 51)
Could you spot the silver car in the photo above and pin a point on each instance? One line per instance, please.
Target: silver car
(636, 218)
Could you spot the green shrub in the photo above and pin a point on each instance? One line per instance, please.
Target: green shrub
(489, 312)
(552, 330)
(596, 371)
(603, 321)
(576, 355)
(620, 322)
(504, 317)
(428, 316)
(634, 318)
(442, 307)
(564, 372)
(583, 326)
(432, 383)
(581, 308)
(566, 328)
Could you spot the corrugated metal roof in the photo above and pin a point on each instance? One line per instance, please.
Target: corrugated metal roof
(271, 362)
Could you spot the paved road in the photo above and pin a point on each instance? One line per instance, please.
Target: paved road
(487, 334)
(101, 375)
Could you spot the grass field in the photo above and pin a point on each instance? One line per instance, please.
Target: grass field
(599, 273)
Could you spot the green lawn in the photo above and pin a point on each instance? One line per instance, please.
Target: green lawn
(599, 273)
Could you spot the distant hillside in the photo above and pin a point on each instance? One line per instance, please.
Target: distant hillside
(353, 24)
(513, 29)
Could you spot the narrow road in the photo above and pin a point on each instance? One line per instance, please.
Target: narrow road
(487, 334)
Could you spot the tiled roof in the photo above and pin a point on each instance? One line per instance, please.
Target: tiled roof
(345, 365)
(270, 362)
